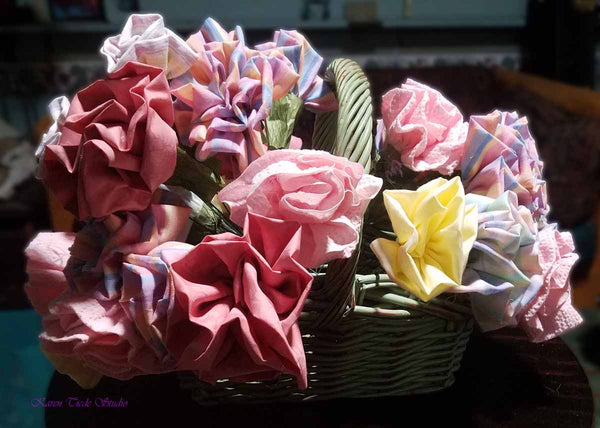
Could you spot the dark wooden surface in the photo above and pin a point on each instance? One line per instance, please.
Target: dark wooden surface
(504, 381)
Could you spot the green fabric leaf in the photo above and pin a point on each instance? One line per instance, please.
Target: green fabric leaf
(201, 178)
(279, 125)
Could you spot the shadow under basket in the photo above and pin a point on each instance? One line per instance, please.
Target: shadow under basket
(389, 344)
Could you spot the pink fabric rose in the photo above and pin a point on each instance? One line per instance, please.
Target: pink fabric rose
(326, 194)
(424, 127)
(47, 256)
(500, 155)
(236, 316)
(551, 313)
(116, 145)
(226, 94)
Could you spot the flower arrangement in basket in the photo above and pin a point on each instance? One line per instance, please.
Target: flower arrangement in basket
(215, 243)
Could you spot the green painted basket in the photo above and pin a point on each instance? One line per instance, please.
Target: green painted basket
(363, 335)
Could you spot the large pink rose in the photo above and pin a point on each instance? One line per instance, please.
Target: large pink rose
(326, 194)
(116, 145)
(426, 128)
(500, 155)
(550, 312)
(238, 303)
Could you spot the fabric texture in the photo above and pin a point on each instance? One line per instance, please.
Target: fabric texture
(226, 94)
(424, 127)
(116, 146)
(145, 39)
(326, 194)
(551, 312)
(237, 316)
(503, 272)
(306, 61)
(435, 231)
(500, 155)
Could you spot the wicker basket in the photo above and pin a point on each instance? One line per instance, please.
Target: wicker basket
(363, 335)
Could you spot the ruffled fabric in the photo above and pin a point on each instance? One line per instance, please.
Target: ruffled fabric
(117, 145)
(306, 61)
(500, 155)
(424, 127)
(435, 231)
(551, 312)
(226, 94)
(145, 39)
(326, 194)
(237, 316)
(503, 272)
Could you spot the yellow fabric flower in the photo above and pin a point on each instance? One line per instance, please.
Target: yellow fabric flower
(435, 232)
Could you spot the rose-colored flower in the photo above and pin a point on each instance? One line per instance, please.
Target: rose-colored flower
(236, 316)
(226, 94)
(145, 39)
(426, 128)
(327, 194)
(116, 145)
(551, 313)
(500, 155)
(316, 94)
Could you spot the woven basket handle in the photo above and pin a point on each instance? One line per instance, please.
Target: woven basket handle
(347, 132)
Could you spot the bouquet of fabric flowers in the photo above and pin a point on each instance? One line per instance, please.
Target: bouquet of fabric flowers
(205, 222)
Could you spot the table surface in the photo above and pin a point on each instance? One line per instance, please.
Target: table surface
(504, 381)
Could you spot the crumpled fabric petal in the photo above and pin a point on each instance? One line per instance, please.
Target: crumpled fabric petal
(310, 87)
(435, 230)
(424, 127)
(500, 155)
(503, 272)
(145, 39)
(326, 194)
(551, 312)
(117, 145)
(237, 316)
(226, 94)
(58, 109)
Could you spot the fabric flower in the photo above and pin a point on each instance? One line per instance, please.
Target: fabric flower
(226, 94)
(310, 87)
(58, 109)
(117, 145)
(239, 311)
(551, 313)
(326, 194)
(424, 127)
(501, 155)
(145, 39)
(503, 271)
(435, 231)
(95, 322)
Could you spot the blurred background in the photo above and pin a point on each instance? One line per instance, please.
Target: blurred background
(538, 57)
